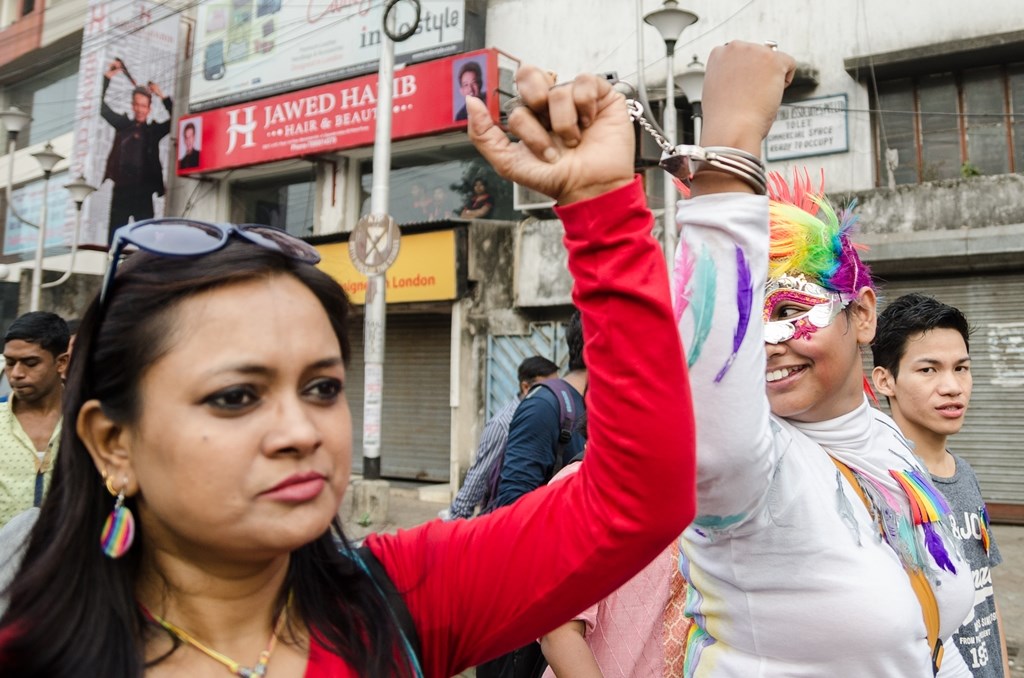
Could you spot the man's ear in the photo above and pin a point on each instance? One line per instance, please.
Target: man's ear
(885, 382)
(109, 445)
(864, 310)
(62, 364)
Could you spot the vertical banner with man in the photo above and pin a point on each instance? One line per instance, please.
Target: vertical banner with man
(124, 112)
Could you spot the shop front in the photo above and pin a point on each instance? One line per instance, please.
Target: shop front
(423, 284)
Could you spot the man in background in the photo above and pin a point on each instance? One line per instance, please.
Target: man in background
(540, 442)
(923, 366)
(473, 493)
(535, 452)
(35, 357)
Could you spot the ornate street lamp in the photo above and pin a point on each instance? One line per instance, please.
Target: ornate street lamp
(670, 22)
(48, 159)
(691, 82)
(79, 189)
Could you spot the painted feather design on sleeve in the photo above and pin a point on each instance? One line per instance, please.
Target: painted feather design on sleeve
(682, 275)
(744, 300)
(702, 302)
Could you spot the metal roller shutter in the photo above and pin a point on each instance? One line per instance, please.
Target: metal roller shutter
(416, 436)
(505, 352)
(994, 430)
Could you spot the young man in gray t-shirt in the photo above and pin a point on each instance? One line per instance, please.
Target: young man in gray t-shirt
(923, 367)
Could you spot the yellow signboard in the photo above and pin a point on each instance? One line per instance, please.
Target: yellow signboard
(424, 270)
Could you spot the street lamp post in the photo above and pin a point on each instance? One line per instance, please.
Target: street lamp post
(670, 22)
(48, 159)
(15, 120)
(79, 189)
(692, 84)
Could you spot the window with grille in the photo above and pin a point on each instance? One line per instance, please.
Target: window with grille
(951, 125)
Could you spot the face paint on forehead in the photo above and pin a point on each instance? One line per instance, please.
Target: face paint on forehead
(793, 293)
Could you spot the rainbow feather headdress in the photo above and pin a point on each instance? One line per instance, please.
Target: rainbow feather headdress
(808, 236)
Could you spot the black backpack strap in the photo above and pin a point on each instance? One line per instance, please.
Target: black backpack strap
(562, 392)
(369, 564)
(567, 414)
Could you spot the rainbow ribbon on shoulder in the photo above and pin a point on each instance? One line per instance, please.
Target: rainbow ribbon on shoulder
(986, 539)
(929, 509)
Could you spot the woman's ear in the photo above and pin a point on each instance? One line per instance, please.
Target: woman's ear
(109, 445)
(865, 315)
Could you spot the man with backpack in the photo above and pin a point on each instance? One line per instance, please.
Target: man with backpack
(475, 490)
(541, 439)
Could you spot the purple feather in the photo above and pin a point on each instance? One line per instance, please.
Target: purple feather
(935, 546)
(744, 300)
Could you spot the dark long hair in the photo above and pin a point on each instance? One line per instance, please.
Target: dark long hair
(72, 610)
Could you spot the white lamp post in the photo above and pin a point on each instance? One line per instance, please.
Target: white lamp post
(670, 22)
(48, 159)
(14, 120)
(79, 189)
(692, 84)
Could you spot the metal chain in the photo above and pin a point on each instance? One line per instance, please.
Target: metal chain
(636, 114)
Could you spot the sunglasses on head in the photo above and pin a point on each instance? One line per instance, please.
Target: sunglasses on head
(171, 237)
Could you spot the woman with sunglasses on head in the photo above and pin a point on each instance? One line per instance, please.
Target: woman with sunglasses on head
(820, 547)
(191, 526)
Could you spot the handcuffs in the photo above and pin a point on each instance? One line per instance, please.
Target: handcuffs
(687, 160)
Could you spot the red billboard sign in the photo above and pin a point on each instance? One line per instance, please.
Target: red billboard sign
(427, 99)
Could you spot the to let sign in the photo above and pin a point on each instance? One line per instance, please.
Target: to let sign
(809, 127)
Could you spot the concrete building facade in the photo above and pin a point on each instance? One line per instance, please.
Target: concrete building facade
(914, 109)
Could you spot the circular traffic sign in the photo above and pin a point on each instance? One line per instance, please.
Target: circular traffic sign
(373, 245)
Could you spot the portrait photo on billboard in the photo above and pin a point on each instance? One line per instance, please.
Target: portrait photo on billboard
(124, 114)
(468, 81)
(190, 135)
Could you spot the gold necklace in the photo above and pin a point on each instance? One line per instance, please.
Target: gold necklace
(257, 671)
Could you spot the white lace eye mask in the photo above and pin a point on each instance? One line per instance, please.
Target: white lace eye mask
(796, 308)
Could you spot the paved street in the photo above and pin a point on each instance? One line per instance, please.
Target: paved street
(1009, 584)
(412, 504)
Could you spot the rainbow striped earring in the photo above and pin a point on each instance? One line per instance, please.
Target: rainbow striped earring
(119, 529)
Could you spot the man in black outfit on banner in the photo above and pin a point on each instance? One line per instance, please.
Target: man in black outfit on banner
(134, 161)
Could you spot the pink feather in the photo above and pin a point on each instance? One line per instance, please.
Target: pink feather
(682, 274)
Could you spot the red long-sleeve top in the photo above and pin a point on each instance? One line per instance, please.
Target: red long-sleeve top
(479, 588)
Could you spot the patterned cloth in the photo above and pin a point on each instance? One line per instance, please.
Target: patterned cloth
(677, 624)
(20, 468)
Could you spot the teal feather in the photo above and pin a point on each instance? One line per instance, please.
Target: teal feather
(908, 537)
(702, 302)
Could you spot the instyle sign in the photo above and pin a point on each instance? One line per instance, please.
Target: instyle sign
(336, 116)
(809, 127)
(425, 269)
(251, 48)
